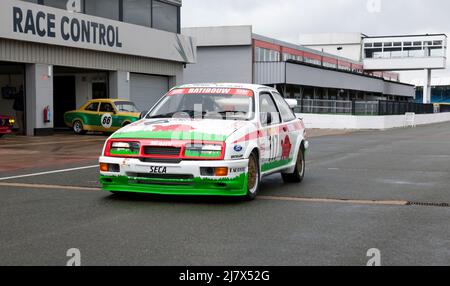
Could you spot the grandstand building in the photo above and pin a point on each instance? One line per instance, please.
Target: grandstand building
(235, 54)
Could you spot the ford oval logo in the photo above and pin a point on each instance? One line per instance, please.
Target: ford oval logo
(238, 148)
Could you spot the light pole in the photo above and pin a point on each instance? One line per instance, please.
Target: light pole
(339, 49)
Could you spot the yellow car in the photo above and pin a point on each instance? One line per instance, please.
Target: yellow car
(103, 115)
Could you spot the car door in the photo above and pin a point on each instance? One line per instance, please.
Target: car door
(270, 141)
(289, 131)
(108, 119)
(90, 115)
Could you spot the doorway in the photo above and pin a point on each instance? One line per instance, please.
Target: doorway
(64, 98)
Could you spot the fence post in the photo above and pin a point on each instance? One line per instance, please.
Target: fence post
(353, 107)
(301, 105)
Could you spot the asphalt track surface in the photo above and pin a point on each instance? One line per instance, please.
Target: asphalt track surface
(388, 190)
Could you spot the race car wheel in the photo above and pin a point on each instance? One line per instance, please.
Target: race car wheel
(254, 177)
(1, 135)
(300, 167)
(78, 128)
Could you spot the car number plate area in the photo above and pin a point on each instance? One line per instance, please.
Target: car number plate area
(158, 170)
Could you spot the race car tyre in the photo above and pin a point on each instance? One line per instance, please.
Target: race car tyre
(1, 135)
(254, 177)
(78, 128)
(299, 172)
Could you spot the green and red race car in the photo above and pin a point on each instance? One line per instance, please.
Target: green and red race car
(209, 139)
(103, 115)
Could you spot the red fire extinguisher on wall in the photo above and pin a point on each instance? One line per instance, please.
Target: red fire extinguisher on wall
(47, 115)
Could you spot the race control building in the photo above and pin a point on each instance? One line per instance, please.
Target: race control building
(57, 54)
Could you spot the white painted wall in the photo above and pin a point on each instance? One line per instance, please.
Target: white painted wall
(325, 121)
(83, 86)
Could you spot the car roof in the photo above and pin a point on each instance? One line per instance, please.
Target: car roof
(253, 87)
(108, 100)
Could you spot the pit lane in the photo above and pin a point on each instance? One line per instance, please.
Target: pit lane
(357, 195)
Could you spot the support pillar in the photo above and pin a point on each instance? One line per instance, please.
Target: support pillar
(119, 85)
(38, 96)
(427, 87)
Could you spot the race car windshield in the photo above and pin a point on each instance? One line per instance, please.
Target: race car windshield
(205, 106)
(126, 106)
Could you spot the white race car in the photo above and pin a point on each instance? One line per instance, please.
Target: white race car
(207, 139)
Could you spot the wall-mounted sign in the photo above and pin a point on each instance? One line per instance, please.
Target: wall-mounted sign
(25, 21)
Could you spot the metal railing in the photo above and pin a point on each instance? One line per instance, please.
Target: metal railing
(355, 107)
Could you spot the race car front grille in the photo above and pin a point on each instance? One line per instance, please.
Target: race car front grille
(160, 183)
(161, 179)
(163, 176)
(161, 161)
(162, 151)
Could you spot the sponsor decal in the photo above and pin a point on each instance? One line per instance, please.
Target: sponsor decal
(157, 170)
(286, 147)
(237, 156)
(227, 91)
(174, 127)
(238, 148)
(238, 170)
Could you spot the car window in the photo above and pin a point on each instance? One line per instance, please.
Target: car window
(92, 107)
(106, 107)
(266, 106)
(285, 110)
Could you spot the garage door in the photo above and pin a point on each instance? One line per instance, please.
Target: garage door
(146, 90)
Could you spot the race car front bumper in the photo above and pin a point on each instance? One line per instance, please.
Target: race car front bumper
(184, 178)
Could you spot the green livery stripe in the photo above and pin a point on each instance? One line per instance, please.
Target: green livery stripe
(170, 135)
(198, 186)
(123, 152)
(214, 154)
(275, 164)
(93, 119)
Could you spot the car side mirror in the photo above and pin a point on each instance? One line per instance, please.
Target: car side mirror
(293, 103)
(143, 114)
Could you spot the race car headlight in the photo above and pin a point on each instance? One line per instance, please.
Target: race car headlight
(206, 151)
(12, 121)
(125, 148)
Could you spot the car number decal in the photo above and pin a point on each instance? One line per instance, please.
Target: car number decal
(106, 120)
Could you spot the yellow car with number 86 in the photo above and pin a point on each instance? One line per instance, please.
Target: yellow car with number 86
(103, 115)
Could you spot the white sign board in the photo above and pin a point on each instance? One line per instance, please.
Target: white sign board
(30, 22)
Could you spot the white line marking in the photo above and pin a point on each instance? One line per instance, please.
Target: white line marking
(340, 201)
(267, 198)
(49, 172)
(52, 187)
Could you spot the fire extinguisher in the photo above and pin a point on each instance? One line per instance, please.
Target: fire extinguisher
(47, 114)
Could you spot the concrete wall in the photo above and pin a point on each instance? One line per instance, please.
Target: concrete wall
(321, 121)
(39, 94)
(119, 85)
(220, 36)
(231, 64)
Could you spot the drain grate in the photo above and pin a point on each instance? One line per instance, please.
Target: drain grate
(441, 205)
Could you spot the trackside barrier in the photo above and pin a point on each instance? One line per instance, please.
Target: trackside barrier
(355, 107)
(353, 122)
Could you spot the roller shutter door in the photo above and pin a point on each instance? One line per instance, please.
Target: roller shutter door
(146, 90)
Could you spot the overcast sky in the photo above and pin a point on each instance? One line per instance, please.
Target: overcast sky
(286, 19)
